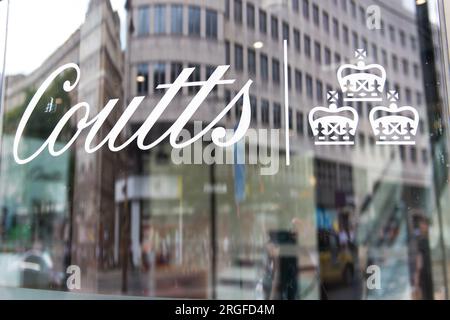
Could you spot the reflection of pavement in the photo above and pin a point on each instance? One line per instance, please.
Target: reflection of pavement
(345, 292)
(169, 283)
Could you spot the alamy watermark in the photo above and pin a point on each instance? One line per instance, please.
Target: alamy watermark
(257, 147)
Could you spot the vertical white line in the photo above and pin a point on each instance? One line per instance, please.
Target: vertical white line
(286, 104)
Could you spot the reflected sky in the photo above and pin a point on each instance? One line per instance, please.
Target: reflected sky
(42, 26)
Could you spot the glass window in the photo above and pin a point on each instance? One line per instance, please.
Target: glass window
(176, 19)
(275, 71)
(142, 79)
(274, 27)
(307, 46)
(238, 11)
(143, 21)
(251, 57)
(277, 115)
(144, 219)
(297, 40)
(298, 81)
(196, 76)
(194, 21)
(306, 9)
(316, 15)
(264, 67)
(286, 31)
(265, 112)
(309, 86)
(262, 21)
(336, 28)
(159, 75)
(211, 24)
(326, 21)
(160, 19)
(238, 57)
(175, 69)
(251, 15)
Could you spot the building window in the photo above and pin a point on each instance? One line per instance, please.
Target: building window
(227, 53)
(362, 15)
(395, 62)
(238, 11)
(277, 115)
(307, 46)
(355, 39)
(175, 69)
(316, 18)
(176, 19)
(327, 56)
(402, 38)
(416, 70)
(159, 74)
(413, 43)
(318, 52)
(413, 154)
(298, 81)
(326, 21)
(392, 33)
(227, 9)
(265, 112)
(296, 5)
(238, 57)
(408, 95)
(405, 67)
(276, 71)
(250, 15)
(251, 59)
(346, 34)
(254, 108)
(306, 9)
(374, 51)
(211, 24)
(227, 101)
(286, 31)
(337, 58)
(194, 21)
(160, 19)
(195, 77)
(291, 119)
(344, 5)
(262, 21)
(209, 71)
(300, 125)
(274, 27)
(143, 21)
(309, 86)
(264, 67)
(353, 8)
(384, 57)
(336, 28)
(297, 40)
(319, 90)
(142, 79)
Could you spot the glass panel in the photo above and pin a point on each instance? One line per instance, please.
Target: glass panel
(330, 180)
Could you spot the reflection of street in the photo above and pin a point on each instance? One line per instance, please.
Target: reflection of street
(347, 292)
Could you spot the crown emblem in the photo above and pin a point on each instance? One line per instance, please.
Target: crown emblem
(333, 125)
(362, 82)
(394, 125)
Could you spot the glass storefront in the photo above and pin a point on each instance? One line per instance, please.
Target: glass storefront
(336, 186)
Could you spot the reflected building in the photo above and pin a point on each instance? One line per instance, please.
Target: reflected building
(138, 222)
(86, 233)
